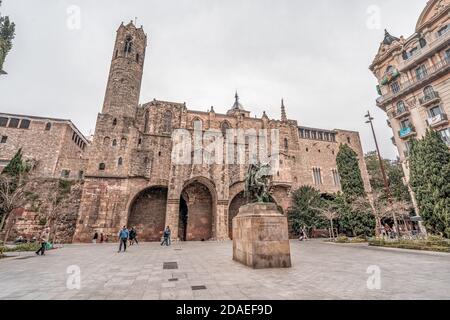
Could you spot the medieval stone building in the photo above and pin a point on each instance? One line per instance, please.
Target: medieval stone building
(130, 178)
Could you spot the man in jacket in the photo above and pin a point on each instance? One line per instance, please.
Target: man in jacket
(123, 238)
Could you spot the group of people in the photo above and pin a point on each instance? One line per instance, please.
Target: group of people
(100, 238)
(130, 235)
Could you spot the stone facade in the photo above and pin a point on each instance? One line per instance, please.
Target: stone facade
(414, 79)
(56, 145)
(130, 178)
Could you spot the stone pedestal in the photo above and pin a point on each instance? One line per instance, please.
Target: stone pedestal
(261, 237)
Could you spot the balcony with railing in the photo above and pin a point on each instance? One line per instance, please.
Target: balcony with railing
(438, 120)
(442, 67)
(421, 53)
(429, 98)
(407, 132)
(400, 113)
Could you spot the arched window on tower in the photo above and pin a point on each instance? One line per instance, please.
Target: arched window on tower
(137, 57)
(167, 122)
(114, 143)
(115, 122)
(120, 162)
(286, 144)
(128, 46)
(101, 167)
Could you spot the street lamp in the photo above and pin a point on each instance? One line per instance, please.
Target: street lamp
(383, 172)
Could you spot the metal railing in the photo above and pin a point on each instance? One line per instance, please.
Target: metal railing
(431, 71)
(405, 132)
(429, 97)
(429, 47)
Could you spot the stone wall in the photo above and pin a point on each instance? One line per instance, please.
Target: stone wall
(30, 221)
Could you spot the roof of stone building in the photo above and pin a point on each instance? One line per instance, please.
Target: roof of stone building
(66, 121)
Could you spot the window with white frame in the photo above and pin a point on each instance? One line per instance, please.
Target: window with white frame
(421, 72)
(434, 111)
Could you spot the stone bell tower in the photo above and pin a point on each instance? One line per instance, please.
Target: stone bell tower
(125, 76)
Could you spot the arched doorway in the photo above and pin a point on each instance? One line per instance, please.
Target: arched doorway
(148, 213)
(196, 213)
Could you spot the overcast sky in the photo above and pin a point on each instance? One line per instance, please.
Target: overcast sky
(314, 54)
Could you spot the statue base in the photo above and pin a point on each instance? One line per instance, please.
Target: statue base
(261, 237)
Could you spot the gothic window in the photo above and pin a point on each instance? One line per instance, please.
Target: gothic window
(197, 123)
(336, 178)
(349, 140)
(317, 176)
(286, 144)
(101, 167)
(167, 122)
(225, 126)
(128, 46)
(139, 141)
(123, 142)
(114, 143)
(120, 161)
(3, 139)
(117, 53)
(115, 122)
(48, 126)
(137, 57)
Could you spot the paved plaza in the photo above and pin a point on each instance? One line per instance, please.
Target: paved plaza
(205, 270)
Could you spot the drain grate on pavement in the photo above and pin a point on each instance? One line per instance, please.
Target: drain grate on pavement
(196, 288)
(173, 279)
(170, 265)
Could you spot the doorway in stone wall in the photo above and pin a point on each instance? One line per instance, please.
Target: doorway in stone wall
(183, 220)
(196, 213)
(148, 213)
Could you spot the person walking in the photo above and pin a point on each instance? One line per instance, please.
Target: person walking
(43, 238)
(132, 236)
(167, 234)
(123, 238)
(95, 238)
(102, 237)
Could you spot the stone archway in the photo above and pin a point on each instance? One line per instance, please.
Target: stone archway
(196, 217)
(148, 213)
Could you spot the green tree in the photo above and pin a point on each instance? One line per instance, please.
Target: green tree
(303, 212)
(355, 216)
(7, 34)
(348, 167)
(394, 174)
(430, 180)
(16, 166)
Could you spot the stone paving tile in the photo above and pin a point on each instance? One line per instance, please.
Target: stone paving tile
(320, 271)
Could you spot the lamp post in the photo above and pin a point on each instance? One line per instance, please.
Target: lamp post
(383, 172)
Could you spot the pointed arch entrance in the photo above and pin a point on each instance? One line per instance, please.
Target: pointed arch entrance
(196, 216)
(148, 213)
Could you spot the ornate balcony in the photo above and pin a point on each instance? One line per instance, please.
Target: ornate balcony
(400, 113)
(426, 51)
(429, 99)
(407, 132)
(433, 72)
(437, 120)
